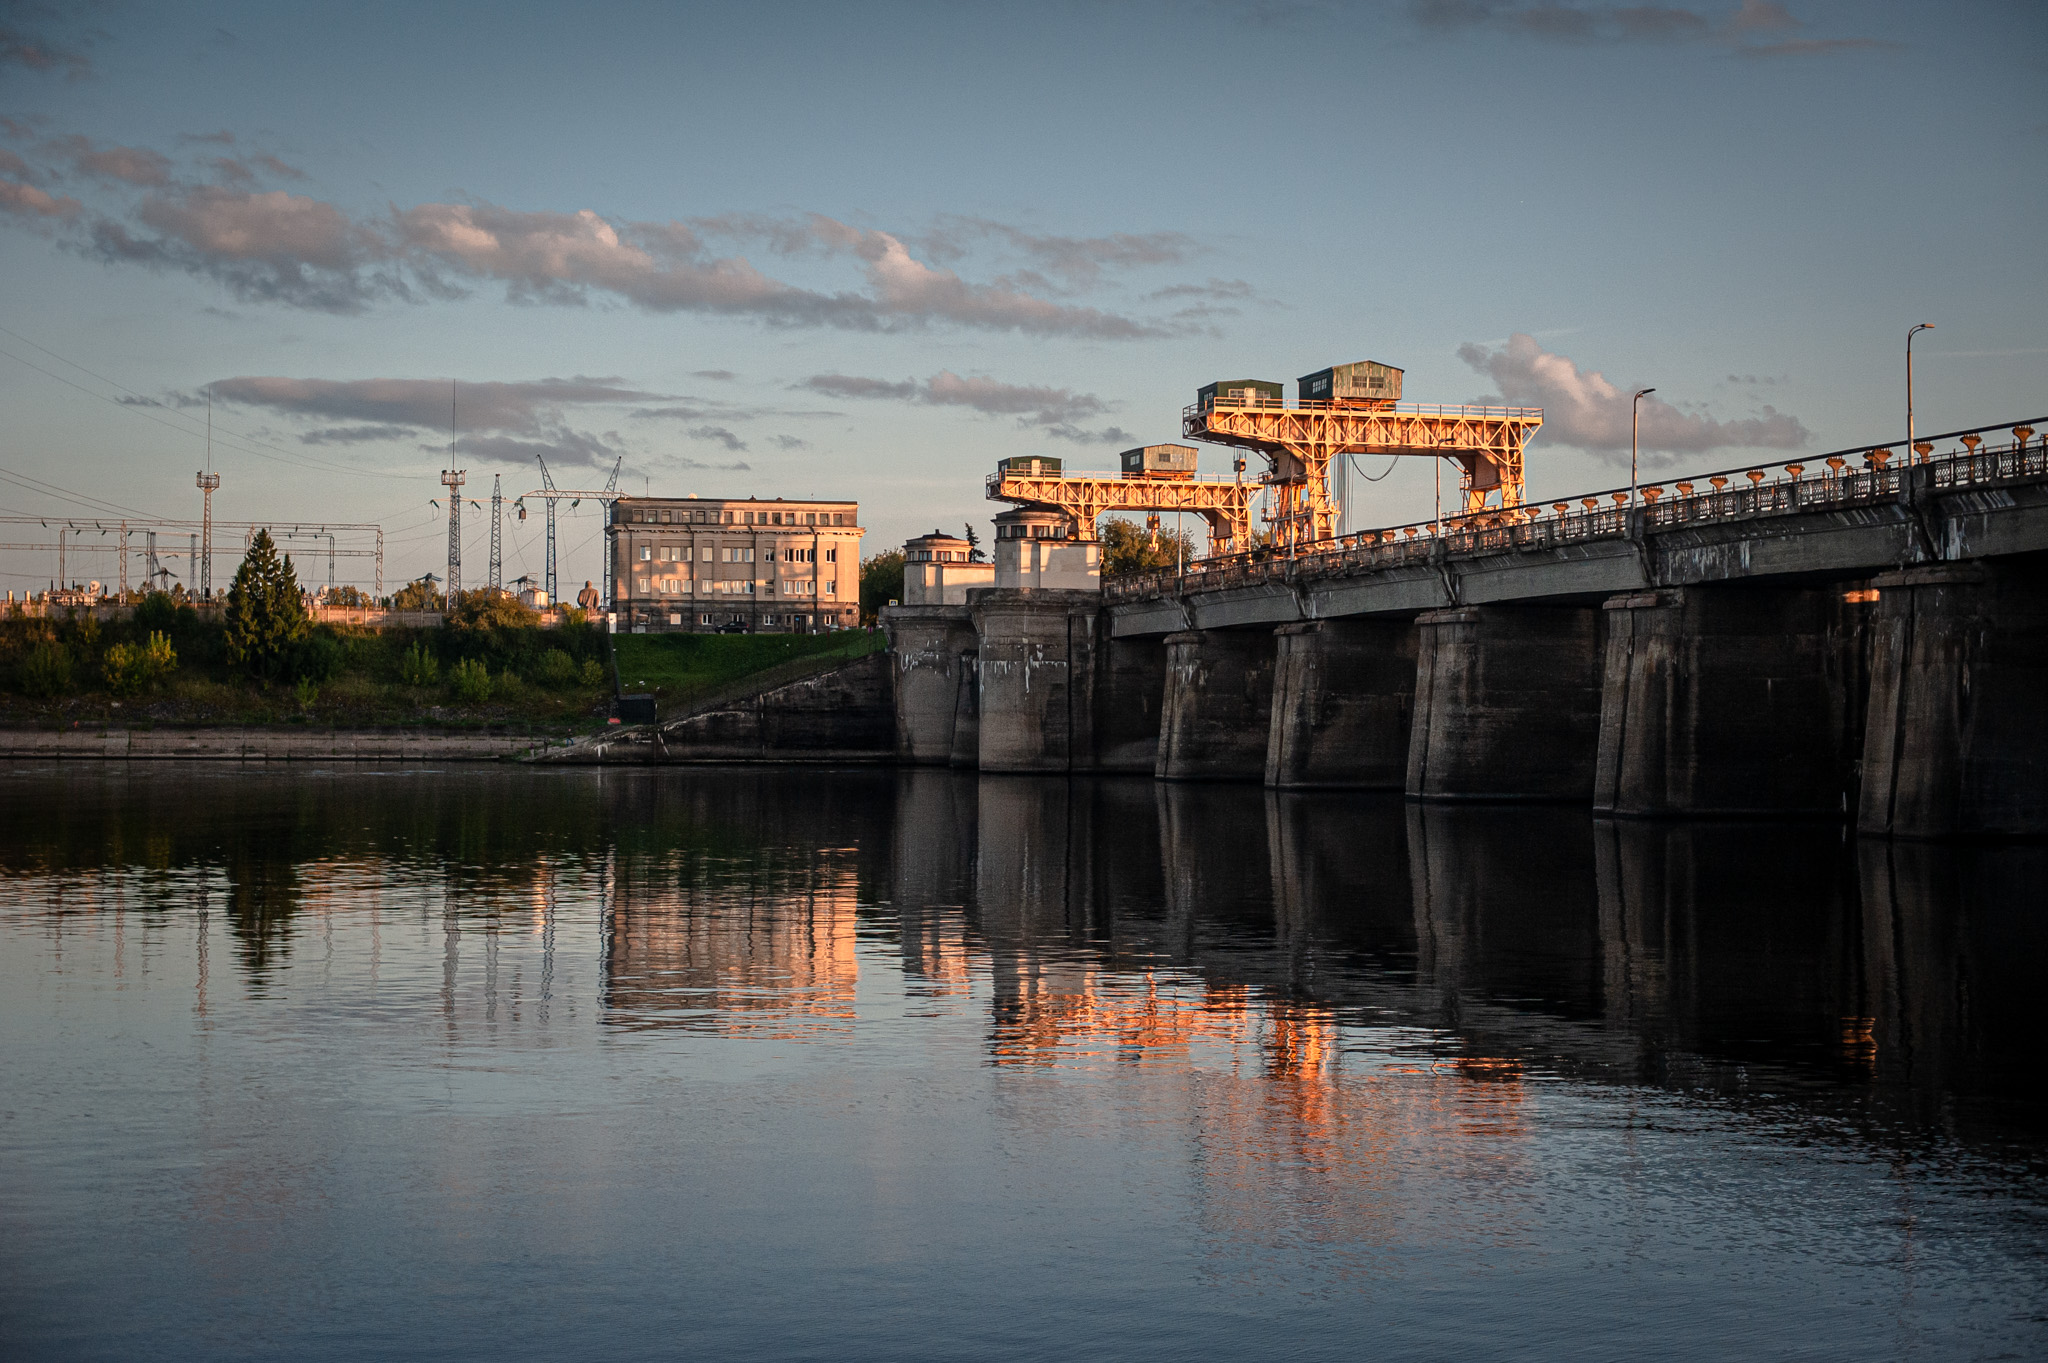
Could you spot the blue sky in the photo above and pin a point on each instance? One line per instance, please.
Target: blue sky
(865, 250)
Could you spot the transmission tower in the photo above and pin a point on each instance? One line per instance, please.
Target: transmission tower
(453, 479)
(207, 483)
(611, 509)
(547, 482)
(497, 535)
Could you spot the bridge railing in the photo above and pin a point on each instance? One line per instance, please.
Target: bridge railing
(1825, 482)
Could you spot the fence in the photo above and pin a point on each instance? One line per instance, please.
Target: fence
(1825, 483)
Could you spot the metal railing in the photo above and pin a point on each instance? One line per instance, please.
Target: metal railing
(1361, 406)
(1821, 483)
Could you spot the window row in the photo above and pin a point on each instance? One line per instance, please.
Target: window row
(730, 553)
(693, 516)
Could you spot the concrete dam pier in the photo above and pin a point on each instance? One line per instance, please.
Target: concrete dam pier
(1870, 646)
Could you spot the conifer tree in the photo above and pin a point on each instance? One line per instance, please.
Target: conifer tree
(265, 614)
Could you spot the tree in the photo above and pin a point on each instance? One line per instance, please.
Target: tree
(974, 554)
(352, 597)
(1128, 547)
(422, 595)
(266, 614)
(881, 581)
(491, 608)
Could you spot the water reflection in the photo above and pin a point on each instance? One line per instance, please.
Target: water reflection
(1338, 1034)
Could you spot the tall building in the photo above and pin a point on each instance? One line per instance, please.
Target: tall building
(703, 565)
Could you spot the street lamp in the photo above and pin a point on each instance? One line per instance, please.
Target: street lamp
(1635, 431)
(1923, 326)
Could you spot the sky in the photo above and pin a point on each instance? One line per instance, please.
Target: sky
(863, 251)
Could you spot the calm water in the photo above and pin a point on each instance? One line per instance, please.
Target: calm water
(851, 1065)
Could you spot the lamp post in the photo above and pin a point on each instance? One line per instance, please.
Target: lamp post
(1919, 327)
(1635, 431)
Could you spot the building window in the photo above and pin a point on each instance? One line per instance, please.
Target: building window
(640, 584)
(831, 556)
(646, 553)
(831, 586)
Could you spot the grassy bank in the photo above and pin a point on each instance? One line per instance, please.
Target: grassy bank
(681, 669)
(169, 666)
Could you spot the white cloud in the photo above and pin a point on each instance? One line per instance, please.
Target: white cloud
(1053, 411)
(1586, 410)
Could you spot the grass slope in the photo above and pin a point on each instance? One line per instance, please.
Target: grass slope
(681, 668)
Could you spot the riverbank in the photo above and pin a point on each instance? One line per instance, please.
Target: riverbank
(284, 743)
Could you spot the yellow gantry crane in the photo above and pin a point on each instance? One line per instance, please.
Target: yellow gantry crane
(1356, 409)
(1155, 478)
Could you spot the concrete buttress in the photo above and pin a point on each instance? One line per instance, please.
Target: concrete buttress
(1037, 678)
(1507, 704)
(1217, 713)
(1955, 743)
(1343, 696)
(1729, 700)
(934, 648)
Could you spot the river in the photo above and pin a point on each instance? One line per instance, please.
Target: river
(864, 1064)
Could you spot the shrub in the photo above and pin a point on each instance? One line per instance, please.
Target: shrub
(130, 668)
(557, 669)
(318, 657)
(593, 672)
(417, 596)
(46, 671)
(418, 666)
(471, 681)
(161, 611)
(307, 692)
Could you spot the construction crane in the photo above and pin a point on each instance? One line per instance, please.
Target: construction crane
(1355, 409)
(550, 494)
(1155, 478)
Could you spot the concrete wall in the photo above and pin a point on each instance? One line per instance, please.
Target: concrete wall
(1728, 700)
(933, 648)
(845, 715)
(1130, 688)
(1955, 743)
(1343, 699)
(1507, 704)
(1218, 705)
(288, 744)
(1037, 670)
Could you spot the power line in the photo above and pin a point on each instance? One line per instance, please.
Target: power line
(281, 456)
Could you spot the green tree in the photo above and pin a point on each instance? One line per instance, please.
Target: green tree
(881, 581)
(266, 614)
(422, 595)
(490, 608)
(351, 597)
(1128, 547)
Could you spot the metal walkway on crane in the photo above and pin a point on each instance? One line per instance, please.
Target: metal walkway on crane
(1226, 506)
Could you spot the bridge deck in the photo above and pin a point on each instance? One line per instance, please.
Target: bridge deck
(1981, 502)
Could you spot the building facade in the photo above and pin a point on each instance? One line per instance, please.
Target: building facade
(1036, 549)
(705, 565)
(938, 570)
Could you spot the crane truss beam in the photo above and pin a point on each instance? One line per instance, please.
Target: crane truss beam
(1226, 507)
(1299, 442)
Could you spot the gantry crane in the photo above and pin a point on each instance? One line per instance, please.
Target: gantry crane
(1155, 479)
(1354, 409)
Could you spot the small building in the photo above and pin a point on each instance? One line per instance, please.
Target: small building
(704, 565)
(1160, 461)
(1036, 549)
(1365, 381)
(938, 570)
(530, 593)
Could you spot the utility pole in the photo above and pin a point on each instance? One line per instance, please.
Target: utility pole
(611, 507)
(124, 561)
(1635, 432)
(1918, 327)
(497, 534)
(207, 483)
(452, 479)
